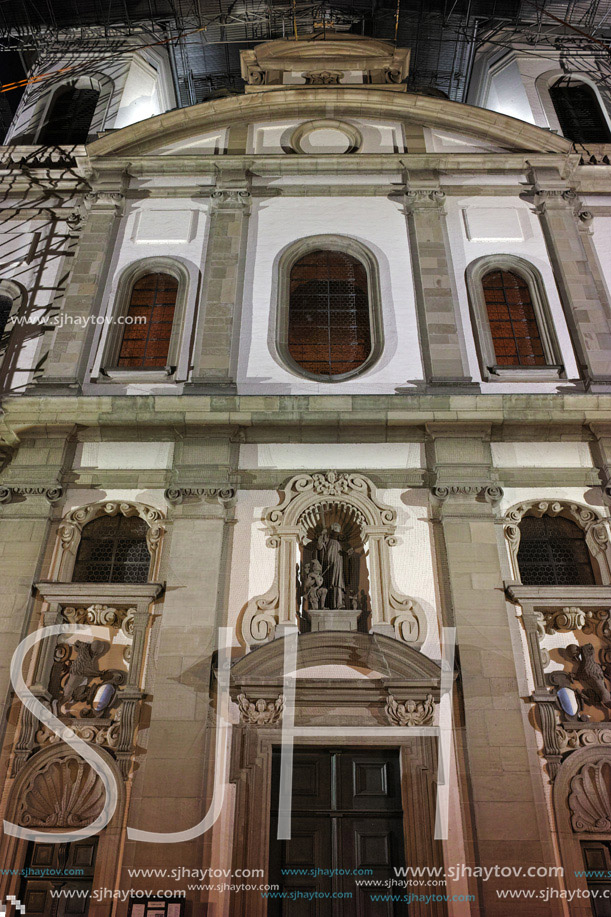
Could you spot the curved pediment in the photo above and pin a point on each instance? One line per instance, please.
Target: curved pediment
(393, 659)
(147, 137)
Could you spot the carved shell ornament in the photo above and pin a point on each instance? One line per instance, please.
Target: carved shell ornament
(65, 793)
(590, 798)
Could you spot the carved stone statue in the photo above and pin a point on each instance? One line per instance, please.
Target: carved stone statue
(85, 665)
(590, 674)
(314, 591)
(331, 558)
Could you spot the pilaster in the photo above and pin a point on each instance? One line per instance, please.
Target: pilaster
(507, 807)
(215, 350)
(441, 334)
(585, 302)
(96, 224)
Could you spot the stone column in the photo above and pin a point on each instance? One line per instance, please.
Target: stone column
(175, 756)
(507, 804)
(70, 348)
(216, 342)
(442, 341)
(586, 306)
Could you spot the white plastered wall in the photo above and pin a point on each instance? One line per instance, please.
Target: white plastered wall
(376, 223)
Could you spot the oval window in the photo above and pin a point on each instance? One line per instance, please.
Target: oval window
(329, 327)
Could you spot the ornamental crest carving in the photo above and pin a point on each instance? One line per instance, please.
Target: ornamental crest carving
(332, 537)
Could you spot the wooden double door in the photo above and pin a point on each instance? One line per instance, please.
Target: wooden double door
(346, 827)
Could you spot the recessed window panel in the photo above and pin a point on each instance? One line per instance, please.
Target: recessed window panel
(329, 329)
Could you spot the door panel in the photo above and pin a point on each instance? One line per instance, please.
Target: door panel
(346, 816)
(63, 860)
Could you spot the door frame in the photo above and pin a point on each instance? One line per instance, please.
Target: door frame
(251, 771)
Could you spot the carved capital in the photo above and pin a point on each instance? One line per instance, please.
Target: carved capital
(491, 493)
(52, 494)
(424, 199)
(410, 712)
(260, 712)
(230, 199)
(105, 200)
(177, 495)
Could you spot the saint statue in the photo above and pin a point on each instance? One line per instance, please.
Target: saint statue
(331, 558)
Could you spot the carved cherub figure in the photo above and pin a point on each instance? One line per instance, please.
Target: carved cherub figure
(313, 589)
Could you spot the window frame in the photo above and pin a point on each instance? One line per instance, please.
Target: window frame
(546, 80)
(281, 313)
(109, 371)
(553, 369)
(103, 85)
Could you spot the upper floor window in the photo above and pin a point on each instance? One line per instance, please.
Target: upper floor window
(70, 115)
(553, 552)
(148, 323)
(578, 111)
(515, 334)
(113, 549)
(329, 323)
(513, 323)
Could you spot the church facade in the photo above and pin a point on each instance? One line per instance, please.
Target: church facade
(306, 473)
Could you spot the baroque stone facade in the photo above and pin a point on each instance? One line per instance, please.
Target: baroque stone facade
(365, 538)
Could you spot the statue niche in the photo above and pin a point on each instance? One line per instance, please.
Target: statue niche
(332, 538)
(333, 579)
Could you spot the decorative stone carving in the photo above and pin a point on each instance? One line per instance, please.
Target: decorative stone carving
(424, 198)
(590, 798)
(76, 679)
(590, 674)
(308, 499)
(176, 495)
(64, 793)
(105, 200)
(593, 525)
(104, 734)
(230, 199)
(102, 615)
(592, 735)
(52, 494)
(72, 524)
(260, 712)
(492, 493)
(411, 712)
(323, 77)
(568, 619)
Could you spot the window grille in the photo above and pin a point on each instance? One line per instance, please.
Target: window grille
(113, 549)
(69, 119)
(513, 323)
(146, 345)
(579, 112)
(329, 330)
(553, 552)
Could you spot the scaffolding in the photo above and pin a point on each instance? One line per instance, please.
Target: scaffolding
(204, 37)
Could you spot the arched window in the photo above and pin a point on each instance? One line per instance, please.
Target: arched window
(329, 325)
(113, 549)
(578, 111)
(553, 552)
(148, 323)
(513, 324)
(70, 115)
